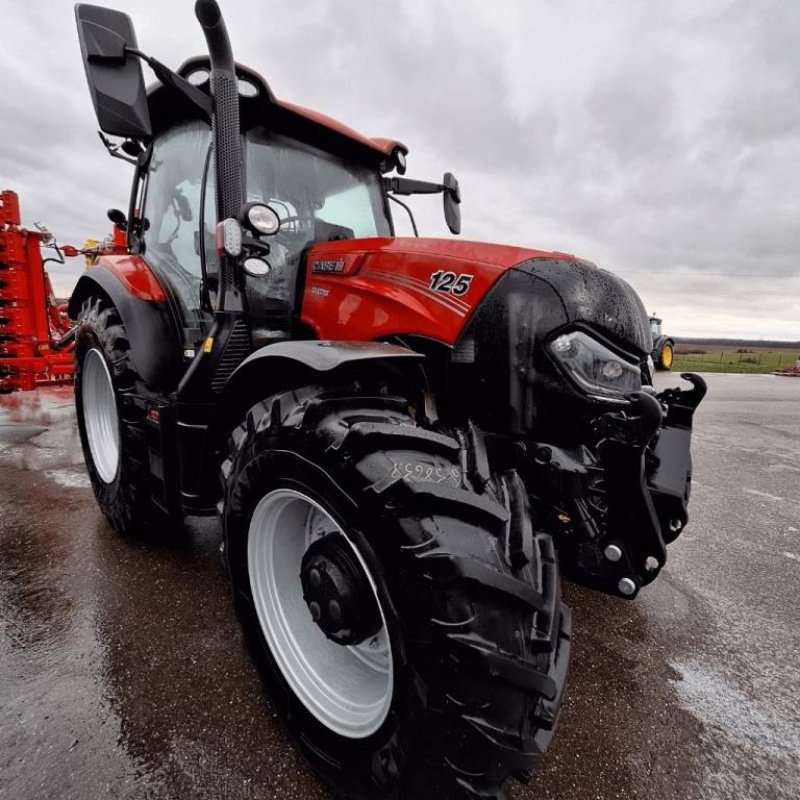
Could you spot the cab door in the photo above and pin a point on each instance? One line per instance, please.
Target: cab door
(174, 235)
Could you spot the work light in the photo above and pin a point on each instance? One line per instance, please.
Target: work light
(260, 218)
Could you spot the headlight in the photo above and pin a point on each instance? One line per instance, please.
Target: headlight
(595, 368)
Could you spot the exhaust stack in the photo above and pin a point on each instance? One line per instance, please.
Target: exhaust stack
(227, 142)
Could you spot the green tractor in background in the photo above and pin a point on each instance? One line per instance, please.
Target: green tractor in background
(663, 346)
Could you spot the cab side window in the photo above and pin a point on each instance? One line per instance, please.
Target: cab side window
(172, 210)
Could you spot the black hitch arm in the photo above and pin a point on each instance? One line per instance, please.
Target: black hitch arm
(669, 459)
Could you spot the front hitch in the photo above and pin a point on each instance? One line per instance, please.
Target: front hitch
(619, 502)
(669, 460)
(608, 533)
(631, 551)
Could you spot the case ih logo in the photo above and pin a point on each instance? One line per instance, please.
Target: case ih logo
(329, 265)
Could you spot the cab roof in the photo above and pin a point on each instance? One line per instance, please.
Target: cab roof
(260, 107)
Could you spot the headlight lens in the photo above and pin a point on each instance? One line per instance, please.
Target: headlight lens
(595, 368)
(264, 219)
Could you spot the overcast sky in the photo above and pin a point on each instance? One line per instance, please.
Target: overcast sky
(658, 139)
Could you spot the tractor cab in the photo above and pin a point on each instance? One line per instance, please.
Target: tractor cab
(323, 191)
(655, 327)
(318, 196)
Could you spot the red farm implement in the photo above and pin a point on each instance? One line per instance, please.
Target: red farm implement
(36, 337)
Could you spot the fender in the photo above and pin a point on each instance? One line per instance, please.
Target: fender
(130, 284)
(288, 364)
(283, 365)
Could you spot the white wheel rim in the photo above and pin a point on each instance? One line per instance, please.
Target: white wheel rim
(347, 688)
(100, 415)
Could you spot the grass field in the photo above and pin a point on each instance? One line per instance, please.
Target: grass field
(715, 359)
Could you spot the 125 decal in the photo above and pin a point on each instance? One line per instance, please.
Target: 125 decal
(450, 282)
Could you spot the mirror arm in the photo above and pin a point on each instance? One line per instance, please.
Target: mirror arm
(408, 186)
(174, 81)
(113, 149)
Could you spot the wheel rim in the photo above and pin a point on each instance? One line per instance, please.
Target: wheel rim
(347, 688)
(666, 356)
(100, 415)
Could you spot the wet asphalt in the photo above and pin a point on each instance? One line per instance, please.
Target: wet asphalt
(123, 673)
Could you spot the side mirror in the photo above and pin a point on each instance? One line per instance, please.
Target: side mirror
(115, 76)
(452, 203)
(118, 218)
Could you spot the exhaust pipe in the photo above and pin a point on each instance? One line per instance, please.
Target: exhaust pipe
(227, 141)
(228, 342)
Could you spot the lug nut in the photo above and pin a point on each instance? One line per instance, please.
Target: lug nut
(544, 455)
(675, 525)
(651, 564)
(613, 552)
(316, 611)
(626, 586)
(315, 578)
(335, 610)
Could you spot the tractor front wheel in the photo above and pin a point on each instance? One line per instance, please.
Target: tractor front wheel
(394, 595)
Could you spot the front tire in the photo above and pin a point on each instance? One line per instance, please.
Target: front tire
(473, 642)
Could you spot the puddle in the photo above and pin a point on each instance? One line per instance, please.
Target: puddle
(69, 479)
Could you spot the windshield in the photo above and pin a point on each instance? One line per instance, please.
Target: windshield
(318, 196)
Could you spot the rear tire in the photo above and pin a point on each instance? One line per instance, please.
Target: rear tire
(478, 637)
(110, 419)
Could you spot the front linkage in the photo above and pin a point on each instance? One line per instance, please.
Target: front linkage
(615, 506)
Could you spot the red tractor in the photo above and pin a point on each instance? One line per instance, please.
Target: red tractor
(403, 437)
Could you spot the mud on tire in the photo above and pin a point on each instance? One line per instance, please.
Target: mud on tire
(125, 499)
(479, 637)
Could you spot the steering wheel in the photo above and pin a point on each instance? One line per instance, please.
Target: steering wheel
(294, 218)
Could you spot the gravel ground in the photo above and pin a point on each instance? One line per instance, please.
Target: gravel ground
(123, 673)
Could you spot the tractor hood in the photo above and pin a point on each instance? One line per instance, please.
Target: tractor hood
(499, 256)
(595, 298)
(381, 287)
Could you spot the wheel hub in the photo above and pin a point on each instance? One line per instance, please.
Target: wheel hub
(347, 688)
(337, 592)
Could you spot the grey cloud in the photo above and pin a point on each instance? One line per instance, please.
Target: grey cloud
(659, 137)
